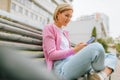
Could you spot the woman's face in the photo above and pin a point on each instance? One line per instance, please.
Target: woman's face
(64, 17)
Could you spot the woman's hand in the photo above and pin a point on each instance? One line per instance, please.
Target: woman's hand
(79, 46)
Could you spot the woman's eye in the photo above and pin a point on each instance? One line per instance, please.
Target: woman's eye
(68, 16)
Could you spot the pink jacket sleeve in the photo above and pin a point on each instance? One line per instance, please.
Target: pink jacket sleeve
(50, 46)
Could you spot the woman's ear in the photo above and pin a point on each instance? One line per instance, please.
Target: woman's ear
(57, 16)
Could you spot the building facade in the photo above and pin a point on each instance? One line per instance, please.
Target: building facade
(35, 13)
(81, 29)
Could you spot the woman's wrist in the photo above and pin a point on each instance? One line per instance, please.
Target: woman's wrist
(75, 50)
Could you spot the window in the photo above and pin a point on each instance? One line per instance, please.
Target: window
(43, 21)
(20, 9)
(26, 12)
(18, 0)
(40, 19)
(22, 1)
(36, 17)
(31, 15)
(13, 6)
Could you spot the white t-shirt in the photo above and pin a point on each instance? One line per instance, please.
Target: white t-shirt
(64, 42)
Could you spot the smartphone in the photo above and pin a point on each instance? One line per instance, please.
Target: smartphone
(91, 40)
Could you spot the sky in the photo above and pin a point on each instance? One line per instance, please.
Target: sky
(109, 7)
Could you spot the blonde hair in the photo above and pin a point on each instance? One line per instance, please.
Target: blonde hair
(61, 8)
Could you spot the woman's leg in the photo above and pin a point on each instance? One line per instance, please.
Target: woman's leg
(110, 63)
(79, 64)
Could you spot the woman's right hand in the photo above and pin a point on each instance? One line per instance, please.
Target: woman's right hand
(79, 46)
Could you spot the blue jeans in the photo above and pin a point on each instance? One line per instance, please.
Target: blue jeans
(92, 56)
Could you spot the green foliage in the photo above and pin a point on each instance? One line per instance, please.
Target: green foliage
(104, 43)
(109, 40)
(117, 46)
(94, 34)
(100, 40)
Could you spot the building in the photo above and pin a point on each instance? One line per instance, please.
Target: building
(35, 13)
(81, 29)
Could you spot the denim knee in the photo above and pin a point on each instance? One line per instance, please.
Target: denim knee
(97, 46)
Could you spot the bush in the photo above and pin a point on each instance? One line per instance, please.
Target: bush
(117, 46)
(104, 43)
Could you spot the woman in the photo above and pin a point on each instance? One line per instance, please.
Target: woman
(71, 63)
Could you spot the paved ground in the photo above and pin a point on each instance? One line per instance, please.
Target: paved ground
(116, 74)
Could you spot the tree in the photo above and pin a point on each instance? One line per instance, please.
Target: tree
(94, 33)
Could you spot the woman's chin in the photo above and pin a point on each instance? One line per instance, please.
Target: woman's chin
(65, 24)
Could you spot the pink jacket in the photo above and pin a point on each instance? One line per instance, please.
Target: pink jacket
(51, 45)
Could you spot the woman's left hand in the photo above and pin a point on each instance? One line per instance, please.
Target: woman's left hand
(79, 46)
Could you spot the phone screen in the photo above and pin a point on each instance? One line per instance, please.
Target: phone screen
(91, 40)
